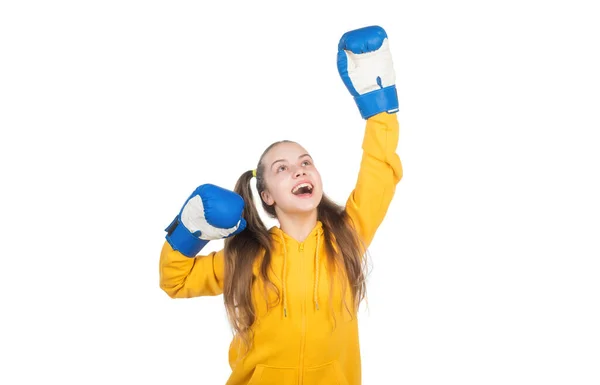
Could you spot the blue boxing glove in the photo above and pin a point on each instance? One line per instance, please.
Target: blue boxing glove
(210, 213)
(365, 64)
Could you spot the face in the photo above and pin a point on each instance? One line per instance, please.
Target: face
(292, 180)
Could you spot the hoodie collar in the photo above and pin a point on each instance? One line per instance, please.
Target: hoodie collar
(316, 231)
(285, 239)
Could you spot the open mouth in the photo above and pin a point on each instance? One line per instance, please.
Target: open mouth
(303, 190)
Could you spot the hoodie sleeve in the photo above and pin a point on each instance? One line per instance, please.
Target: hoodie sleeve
(379, 173)
(183, 277)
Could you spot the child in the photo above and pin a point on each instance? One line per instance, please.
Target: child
(292, 292)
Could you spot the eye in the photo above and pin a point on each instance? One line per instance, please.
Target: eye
(281, 168)
(306, 163)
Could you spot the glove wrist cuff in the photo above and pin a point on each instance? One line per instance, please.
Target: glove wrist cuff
(180, 239)
(375, 102)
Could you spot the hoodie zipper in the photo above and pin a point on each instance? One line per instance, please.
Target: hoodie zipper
(303, 335)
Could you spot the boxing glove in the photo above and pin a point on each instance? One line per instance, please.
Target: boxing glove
(210, 213)
(365, 65)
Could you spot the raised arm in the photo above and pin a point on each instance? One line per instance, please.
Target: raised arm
(366, 68)
(380, 171)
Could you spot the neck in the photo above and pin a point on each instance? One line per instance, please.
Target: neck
(298, 225)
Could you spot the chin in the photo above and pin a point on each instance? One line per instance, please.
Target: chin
(310, 205)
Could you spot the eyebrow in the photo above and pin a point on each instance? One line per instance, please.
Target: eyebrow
(283, 160)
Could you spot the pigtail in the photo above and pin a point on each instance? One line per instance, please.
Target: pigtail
(350, 258)
(241, 251)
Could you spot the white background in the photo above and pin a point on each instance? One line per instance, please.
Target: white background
(485, 271)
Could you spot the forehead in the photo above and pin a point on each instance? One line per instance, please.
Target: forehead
(289, 151)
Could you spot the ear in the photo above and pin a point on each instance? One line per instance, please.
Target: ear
(267, 198)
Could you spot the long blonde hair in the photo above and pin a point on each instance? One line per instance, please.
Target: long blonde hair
(242, 250)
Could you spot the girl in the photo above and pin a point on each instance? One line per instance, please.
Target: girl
(292, 292)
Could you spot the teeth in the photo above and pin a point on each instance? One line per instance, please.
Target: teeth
(302, 185)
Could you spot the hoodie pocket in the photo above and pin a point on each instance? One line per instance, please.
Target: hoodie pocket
(272, 375)
(327, 374)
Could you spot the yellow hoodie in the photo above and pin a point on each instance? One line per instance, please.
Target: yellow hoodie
(298, 342)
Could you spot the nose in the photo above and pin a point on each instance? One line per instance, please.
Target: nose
(299, 172)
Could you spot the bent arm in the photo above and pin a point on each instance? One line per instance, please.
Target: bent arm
(184, 277)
